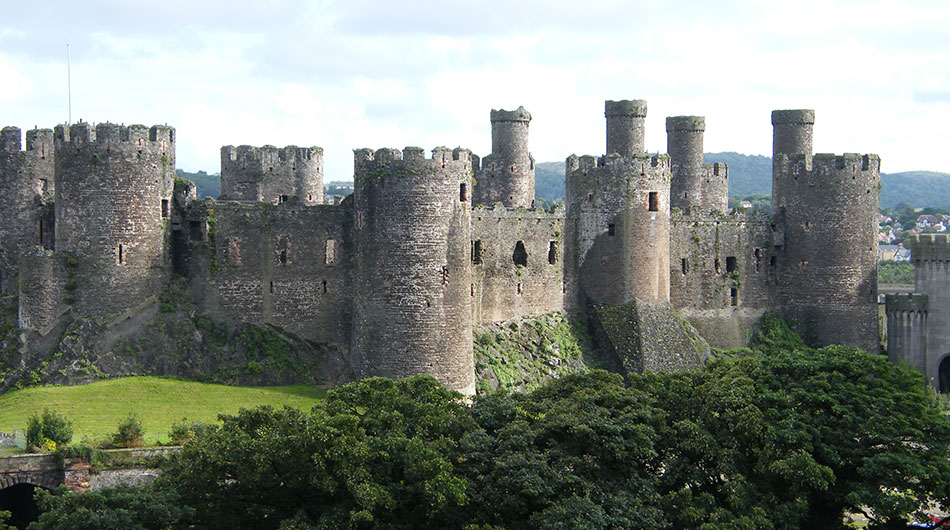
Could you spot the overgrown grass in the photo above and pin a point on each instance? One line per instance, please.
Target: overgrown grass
(96, 409)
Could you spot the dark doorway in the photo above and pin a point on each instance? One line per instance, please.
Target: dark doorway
(520, 255)
(943, 375)
(18, 500)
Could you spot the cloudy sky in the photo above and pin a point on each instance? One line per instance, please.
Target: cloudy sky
(385, 73)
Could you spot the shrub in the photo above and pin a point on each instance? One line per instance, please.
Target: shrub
(51, 427)
(130, 433)
(185, 431)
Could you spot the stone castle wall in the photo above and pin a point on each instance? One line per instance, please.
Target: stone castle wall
(517, 263)
(27, 190)
(287, 265)
(113, 204)
(272, 175)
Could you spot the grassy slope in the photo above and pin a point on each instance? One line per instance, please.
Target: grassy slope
(96, 409)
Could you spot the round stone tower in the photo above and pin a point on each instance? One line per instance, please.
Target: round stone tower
(113, 205)
(684, 143)
(413, 305)
(508, 172)
(625, 125)
(827, 206)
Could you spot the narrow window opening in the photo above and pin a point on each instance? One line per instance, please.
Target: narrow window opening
(324, 287)
(271, 287)
(771, 261)
(807, 225)
(477, 251)
(654, 199)
(165, 211)
(590, 196)
(120, 255)
(195, 231)
(282, 199)
(684, 266)
(685, 194)
(473, 289)
(283, 250)
(552, 252)
(734, 293)
(445, 275)
(717, 267)
(731, 264)
(611, 229)
(463, 195)
(520, 288)
(520, 255)
(758, 258)
(309, 196)
(329, 252)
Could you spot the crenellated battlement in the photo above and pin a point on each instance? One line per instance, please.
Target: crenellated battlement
(929, 247)
(586, 163)
(109, 135)
(685, 123)
(906, 303)
(393, 162)
(793, 117)
(827, 169)
(269, 157)
(37, 140)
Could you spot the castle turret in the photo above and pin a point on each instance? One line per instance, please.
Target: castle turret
(113, 206)
(507, 174)
(684, 143)
(931, 256)
(26, 197)
(827, 206)
(270, 174)
(625, 126)
(413, 305)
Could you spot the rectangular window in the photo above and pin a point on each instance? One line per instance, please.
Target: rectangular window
(684, 266)
(195, 231)
(463, 195)
(734, 293)
(611, 229)
(165, 209)
(329, 252)
(654, 201)
(552, 252)
(477, 251)
(731, 263)
(119, 254)
(283, 250)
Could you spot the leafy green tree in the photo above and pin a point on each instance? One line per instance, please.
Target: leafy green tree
(119, 508)
(50, 427)
(130, 433)
(372, 455)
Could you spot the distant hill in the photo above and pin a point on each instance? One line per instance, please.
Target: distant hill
(208, 185)
(921, 189)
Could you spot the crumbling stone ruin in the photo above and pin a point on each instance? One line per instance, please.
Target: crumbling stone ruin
(430, 247)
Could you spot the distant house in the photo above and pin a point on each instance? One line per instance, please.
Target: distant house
(745, 204)
(893, 253)
(940, 227)
(927, 221)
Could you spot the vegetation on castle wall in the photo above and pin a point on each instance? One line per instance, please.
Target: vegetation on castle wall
(519, 356)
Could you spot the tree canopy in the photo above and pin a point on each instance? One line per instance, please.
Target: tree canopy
(776, 436)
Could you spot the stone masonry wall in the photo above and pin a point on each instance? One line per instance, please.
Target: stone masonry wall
(286, 265)
(26, 195)
(272, 175)
(512, 281)
(113, 203)
(617, 229)
(412, 297)
(507, 174)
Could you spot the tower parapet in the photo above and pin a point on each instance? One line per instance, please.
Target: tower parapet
(625, 126)
(507, 174)
(617, 229)
(412, 305)
(272, 175)
(113, 208)
(26, 195)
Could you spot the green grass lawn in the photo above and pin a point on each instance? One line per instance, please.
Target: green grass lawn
(96, 409)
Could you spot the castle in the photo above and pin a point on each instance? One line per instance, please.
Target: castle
(430, 247)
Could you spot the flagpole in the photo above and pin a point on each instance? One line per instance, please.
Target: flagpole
(69, 87)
